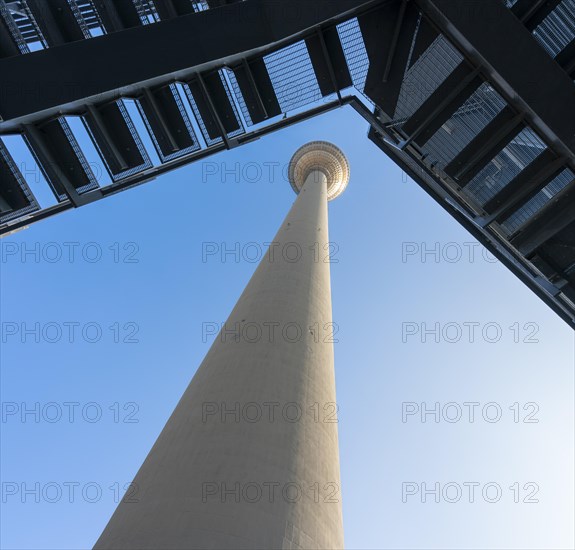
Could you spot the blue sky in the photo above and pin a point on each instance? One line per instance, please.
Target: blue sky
(153, 288)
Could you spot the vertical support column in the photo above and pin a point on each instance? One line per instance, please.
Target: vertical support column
(249, 457)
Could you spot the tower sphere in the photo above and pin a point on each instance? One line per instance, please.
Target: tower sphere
(324, 157)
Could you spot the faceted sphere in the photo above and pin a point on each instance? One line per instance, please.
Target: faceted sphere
(322, 156)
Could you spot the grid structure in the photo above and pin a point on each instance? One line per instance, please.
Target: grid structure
(425, 75)
(237, 94)
(293, 77)
(93, 182)
(137, 139)
(202, 124)
(182, 152)
(514, 158)
(355, 52)
(11, 166)
(21, 25)
(79, 16)
(514, 222)
(557, 30)
(470, 119)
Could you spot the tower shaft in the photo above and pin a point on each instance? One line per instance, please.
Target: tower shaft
(249, 457)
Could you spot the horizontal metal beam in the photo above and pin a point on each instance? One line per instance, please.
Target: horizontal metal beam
(107, 67)
(484, 146)
(163, 129)
(109, 15)
(426, 35)
(532, 12)
(15, 195)
(491, 37)
(152, 173)
(566, 58)
(219, 3)
(256, 107)
(100, 129)
(442, 104)
(525, 185)
(8, 46)
(328, 61)
(388, 34)
(167, 10)
(56, 21)
(257, 90)
(552, 218)
(57, 171)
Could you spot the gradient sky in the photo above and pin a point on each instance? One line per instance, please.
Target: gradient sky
(163, 295)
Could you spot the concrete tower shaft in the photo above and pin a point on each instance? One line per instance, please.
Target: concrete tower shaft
(249, 457)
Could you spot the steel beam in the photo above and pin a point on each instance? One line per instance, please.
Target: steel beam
(566, 58)
(57, 175)
(15, 195)
(150, 104)
(442, 104)
(120, 63)
(328, 61)
(525, 185)
(257, 89)
(8, 46)
(389, 29)
(552, 218)
(109, 15)
(152, 173)
(212, 111)
(127, 12)
(56, 21)
(219, 3)
(426, 35)
(167, 10)
(255, 92)
(532, 12)
(100, 128)
(491, 37)
(486, 144)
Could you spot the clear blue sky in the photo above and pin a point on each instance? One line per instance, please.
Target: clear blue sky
(168, 292)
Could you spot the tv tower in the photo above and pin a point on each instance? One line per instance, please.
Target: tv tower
(249, 458)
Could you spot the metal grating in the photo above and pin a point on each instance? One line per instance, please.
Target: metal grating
(33, 206)
(239, 97)
(184, 114)
(131, 171)
(146, 11)
(80, 155)
(514, 158)
(87, 17)
(531, 207)
(232, 99)
(9, 17)
(293, 77)
(79, 18)
(557, 30)
(93, 183)
(425, 76)
(472, 117)
(199, 119)
(200, 5)
(355, 52)
(23, 26)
